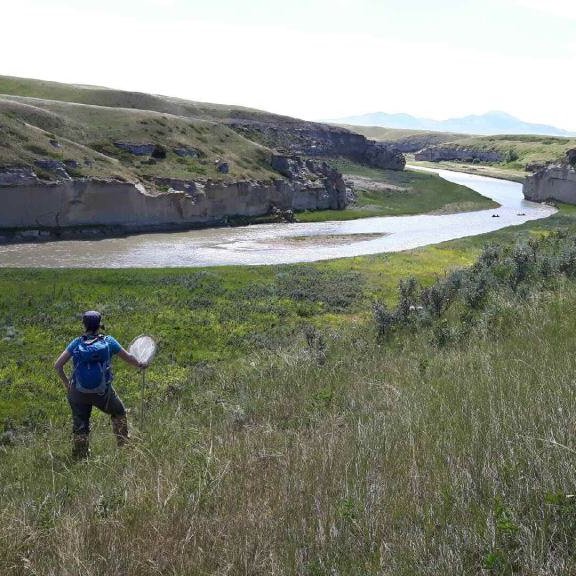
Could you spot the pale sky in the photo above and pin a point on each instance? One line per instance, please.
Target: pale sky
(311, 59)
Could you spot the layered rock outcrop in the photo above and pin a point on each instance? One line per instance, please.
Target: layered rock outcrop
(321, 140)
(29, 203)
(447, 153)
(555, 182)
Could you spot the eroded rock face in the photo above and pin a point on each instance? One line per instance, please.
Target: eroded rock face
(552, 183)
(536, 166)
(17, 176)
(55, 167)
(571, 157)
(310, 139)
(30, 203)
(556, 182)
(447, 153)
(318, 185)
(381, 155)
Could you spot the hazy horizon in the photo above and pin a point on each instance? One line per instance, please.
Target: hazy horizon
(310, 59)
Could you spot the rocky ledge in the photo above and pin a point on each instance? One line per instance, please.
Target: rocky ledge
(320, 140)
(33, 209)
(553, 182)
(448, 153)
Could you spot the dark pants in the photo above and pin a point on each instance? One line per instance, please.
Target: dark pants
(81, 405)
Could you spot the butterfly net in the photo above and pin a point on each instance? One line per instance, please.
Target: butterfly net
(143, 349)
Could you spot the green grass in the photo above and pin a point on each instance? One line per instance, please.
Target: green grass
(281, 436)
(395, 193)
(88, 132)
(197, 316)
(336, 453)
(205, 316)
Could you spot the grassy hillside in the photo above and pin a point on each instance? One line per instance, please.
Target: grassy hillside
(444, 446)
(34, 112)
(519, 151)
(87, 133)
(107, 97)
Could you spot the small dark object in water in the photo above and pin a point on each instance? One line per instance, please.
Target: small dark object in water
(521, 214)
(495, 215)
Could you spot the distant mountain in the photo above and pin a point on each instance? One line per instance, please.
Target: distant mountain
(485, 124)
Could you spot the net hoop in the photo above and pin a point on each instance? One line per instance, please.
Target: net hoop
(143, 348)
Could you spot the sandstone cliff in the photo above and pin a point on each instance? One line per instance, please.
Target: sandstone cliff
(53, 207)
(555, 182)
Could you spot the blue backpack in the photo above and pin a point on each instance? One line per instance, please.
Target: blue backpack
(92, 370)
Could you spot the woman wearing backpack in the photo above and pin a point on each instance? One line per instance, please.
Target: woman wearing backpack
(91, 381)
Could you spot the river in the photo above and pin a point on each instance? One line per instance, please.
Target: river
(286, 243)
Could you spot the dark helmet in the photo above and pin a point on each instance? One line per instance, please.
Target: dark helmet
(92, 320)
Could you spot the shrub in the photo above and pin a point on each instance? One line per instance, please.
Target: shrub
(316, 343)
(475, 288)
(443, 334)
(522, 257)
(547, 265)
(408, 289)
(490, 255)
(386, 320)
(567, 260)
(510, 156)
(437, 297)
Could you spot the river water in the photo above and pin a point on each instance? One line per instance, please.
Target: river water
(286, 243)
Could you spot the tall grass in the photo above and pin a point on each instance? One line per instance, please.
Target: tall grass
(338, 454)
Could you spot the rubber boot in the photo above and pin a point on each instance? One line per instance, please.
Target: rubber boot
(120, 429)
(80, 446)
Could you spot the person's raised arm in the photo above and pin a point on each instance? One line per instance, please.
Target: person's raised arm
(130, 359)
(59, 367)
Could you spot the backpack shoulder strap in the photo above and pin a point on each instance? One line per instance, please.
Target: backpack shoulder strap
(107, 346)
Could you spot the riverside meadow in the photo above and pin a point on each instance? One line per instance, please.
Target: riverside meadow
(305, 419)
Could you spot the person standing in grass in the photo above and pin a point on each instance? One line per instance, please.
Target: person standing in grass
(91, 381)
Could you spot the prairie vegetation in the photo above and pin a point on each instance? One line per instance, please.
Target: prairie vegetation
(370, 431)
(39, 129)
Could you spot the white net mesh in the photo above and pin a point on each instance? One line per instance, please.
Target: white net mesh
(143, 348)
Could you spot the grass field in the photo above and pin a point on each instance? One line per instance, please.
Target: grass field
(443, 447)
